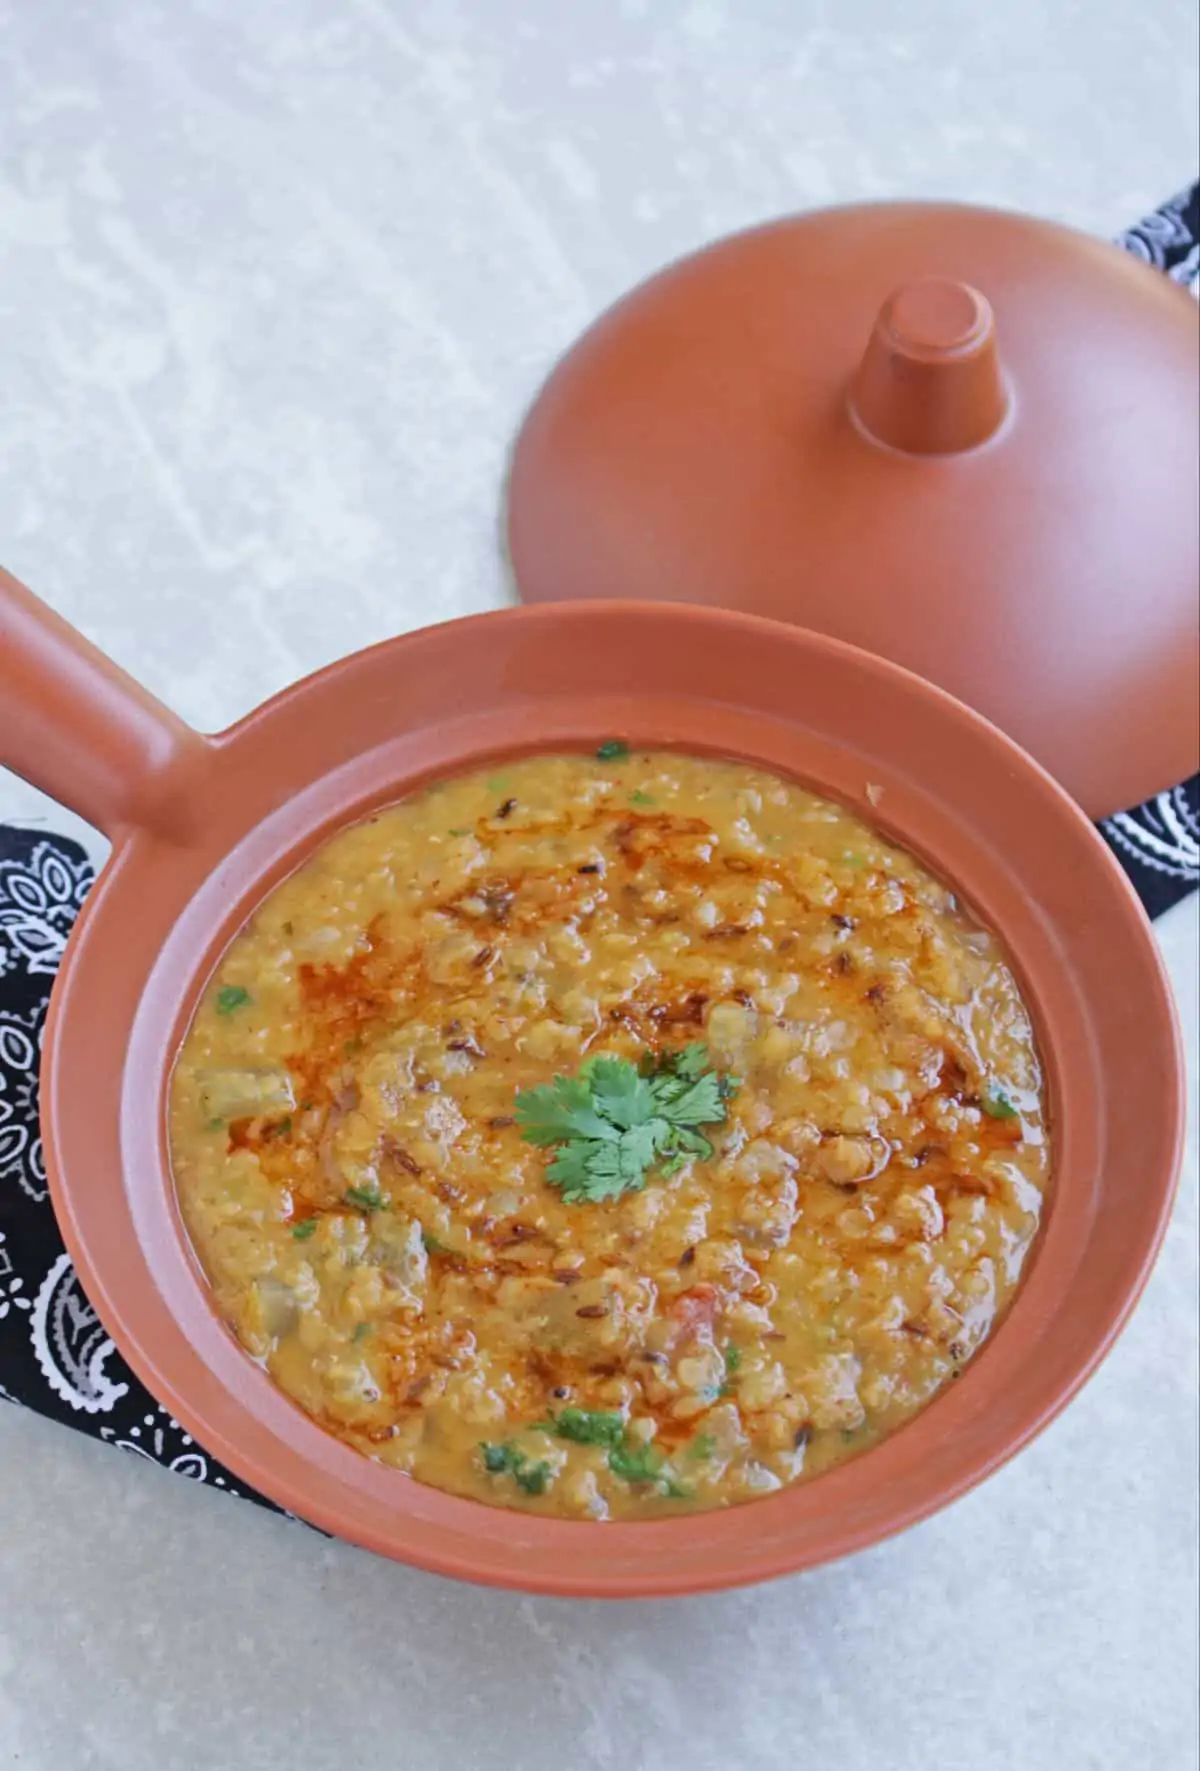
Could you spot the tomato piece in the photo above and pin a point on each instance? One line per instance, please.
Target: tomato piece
(695, 1309)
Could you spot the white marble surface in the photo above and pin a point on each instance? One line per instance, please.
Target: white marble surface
(277, 278)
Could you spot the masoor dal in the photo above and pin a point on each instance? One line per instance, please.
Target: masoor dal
(381, 1236)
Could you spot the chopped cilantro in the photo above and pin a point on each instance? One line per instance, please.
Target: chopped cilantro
(702, 1447)
(230, 997)
(640, 798)
(508, 1459)
(612, 750)
(997, 1105)
(367, 1198)
(306, 1228)
(638, 1464)
(215, 1125)
(533, 1478)
(280, 1128)
(497, 784)
(431, 1243)
(614, 1121)
(627, 1458)
(458, 830)
(361, 1332)
(733, 1360)
(583, 1427)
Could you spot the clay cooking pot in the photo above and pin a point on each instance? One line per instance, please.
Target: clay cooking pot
(203, 827)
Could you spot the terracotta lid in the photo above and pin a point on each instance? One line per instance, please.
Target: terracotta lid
(962, 439)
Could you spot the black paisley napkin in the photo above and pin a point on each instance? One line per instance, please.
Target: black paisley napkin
(54, 1353)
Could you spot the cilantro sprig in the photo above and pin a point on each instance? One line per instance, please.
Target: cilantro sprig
(614, 1121)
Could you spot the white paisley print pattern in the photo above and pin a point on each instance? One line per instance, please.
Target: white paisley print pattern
(1163, 834)
(1167, 241)
(161, 1440)
(1159, 841)
(21, 1160)
(39, 901)
(55, 1354)
(12, 1293)
(70, 1344)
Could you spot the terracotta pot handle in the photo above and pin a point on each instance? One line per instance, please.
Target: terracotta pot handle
(75, 725)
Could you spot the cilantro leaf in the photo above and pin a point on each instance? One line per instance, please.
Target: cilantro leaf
(560, 1110)
(366, 1198)
(507, 1459)
(641, 1464)
(638, 1148)
(997, 1105)
(690, 1103)
(585, 1427)
(619, 1093)
(533, 1478)
(571, 1169)
(691, 1143)
(611, 1171)
(594, 1170)
(612, 750)
(631, 1461)
(304, 1229)
(229, 997)
(615, 1121)
(689, 1063)
(635, 1463)
(498, 1458)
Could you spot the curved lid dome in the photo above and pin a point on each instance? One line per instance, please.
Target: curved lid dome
(963, 439)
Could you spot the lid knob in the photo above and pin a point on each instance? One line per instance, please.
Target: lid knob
(930, 381)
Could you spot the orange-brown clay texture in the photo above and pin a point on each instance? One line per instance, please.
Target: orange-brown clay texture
(964, 440)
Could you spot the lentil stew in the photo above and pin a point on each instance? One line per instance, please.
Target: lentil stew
(611, 1135)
